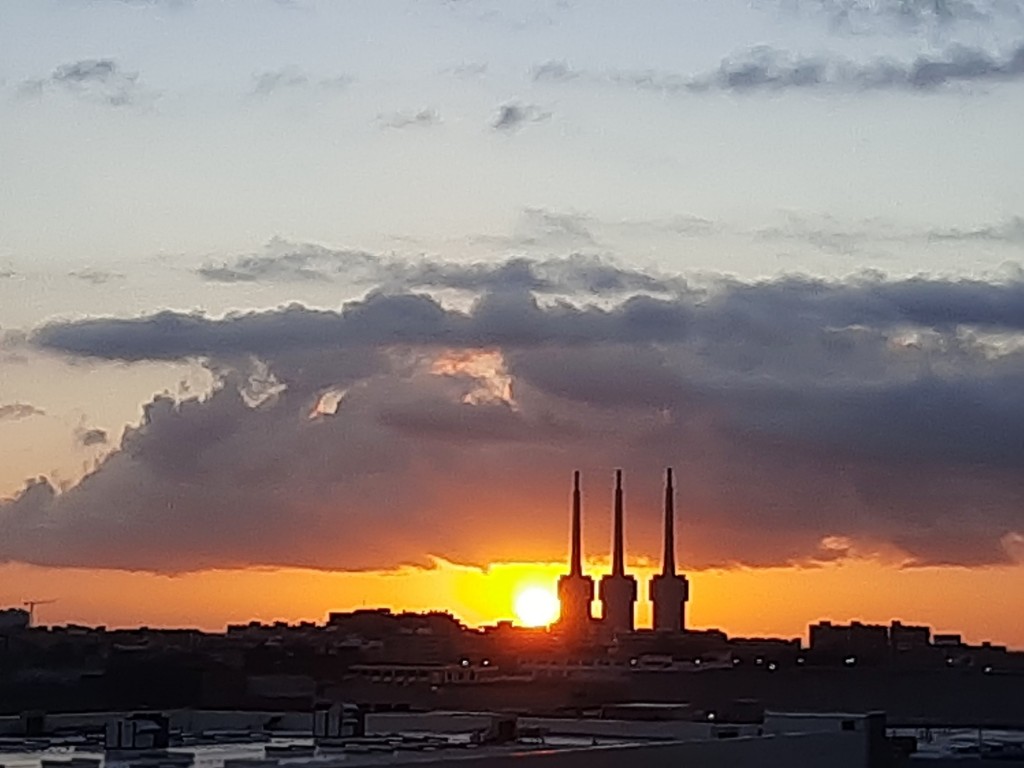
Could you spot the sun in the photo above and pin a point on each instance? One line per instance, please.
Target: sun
(536, 607)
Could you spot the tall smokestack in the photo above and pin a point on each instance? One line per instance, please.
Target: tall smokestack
(669, 558)
(576, 558)
(618, 547)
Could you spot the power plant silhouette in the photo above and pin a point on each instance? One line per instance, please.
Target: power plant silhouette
(669, 590)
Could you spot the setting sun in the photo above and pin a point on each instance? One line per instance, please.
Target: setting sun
(536, 607)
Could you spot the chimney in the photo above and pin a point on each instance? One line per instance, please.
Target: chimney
(618, 546)
(576, 557)
(669, 558)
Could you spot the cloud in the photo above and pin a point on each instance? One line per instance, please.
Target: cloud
(100, 81)
(285, 79)
(95, 276)
(89, 437)
(867, 16)
(879, 237)
(1010, 232)
(300, 263)
(468, 69)
(18, 411)
(769, 69)
(266, 83)
(421, 119)
(513, 116)
(287, 262)
(797, 412)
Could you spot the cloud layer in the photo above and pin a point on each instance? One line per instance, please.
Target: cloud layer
(883, 414)
(285, 262)
(769, 69)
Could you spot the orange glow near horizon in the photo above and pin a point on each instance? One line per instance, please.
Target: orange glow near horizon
(743, 602)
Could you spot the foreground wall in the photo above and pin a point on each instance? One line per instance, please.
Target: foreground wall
(816, 750)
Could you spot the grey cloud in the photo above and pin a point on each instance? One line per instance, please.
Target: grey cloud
(289, 78)
(868, 16)
(768, 69)
(285, 262)
(470, 69)
(871, 409)
(828, 233)
(422, 119)
(18, 411)
(266, 83)
(577, 273)
(90, 437)
(730, 308)
(98, 80)
(512, 318)
(513, 116)
(1010, 231)
(95, 276)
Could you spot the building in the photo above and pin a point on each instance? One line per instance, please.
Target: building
(906, 638)
(855, 641)
(13, 620)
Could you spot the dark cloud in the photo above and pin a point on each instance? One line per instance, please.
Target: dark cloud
(18, 411)
(513, 116)
(88, 437)
(98, 80)
(807, 419)
(769, 69)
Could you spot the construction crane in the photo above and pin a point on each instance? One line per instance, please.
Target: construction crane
(31, 605)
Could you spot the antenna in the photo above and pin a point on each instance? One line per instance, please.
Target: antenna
(31, 605)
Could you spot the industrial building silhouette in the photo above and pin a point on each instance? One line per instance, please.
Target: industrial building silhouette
(669, 591)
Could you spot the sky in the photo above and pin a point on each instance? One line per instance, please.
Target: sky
(310, 305)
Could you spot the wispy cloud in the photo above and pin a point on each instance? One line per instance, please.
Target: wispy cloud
(770, 69)
(872, 16)
(423, 118)
(95, 276)
(567, 275)
(285, 79)
(18, 411)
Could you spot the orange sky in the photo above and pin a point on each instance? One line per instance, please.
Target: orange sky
(771, 601)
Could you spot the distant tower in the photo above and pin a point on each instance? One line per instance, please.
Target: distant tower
(669, 590)
(575, 590)
(618, 590)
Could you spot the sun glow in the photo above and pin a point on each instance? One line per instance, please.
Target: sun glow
(536, 607)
